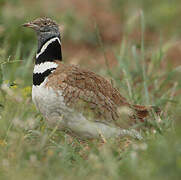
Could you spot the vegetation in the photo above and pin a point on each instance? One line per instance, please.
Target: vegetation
(135, 43)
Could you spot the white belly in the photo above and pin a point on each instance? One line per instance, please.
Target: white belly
(49, 102)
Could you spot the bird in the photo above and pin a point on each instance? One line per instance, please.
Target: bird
(76, 99)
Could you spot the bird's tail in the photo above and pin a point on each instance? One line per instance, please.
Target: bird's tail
(141, 112)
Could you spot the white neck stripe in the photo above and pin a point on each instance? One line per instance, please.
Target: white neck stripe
(46, 45)
(42, 67)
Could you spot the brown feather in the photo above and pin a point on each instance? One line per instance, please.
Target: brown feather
(86, 91)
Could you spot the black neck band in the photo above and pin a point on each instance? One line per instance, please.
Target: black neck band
(38, 78)
(51, 53)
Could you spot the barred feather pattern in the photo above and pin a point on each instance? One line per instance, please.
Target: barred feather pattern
(86, 91)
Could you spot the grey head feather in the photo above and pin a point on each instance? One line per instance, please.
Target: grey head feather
(45, 28)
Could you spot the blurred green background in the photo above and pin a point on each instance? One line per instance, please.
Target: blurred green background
(135, 43)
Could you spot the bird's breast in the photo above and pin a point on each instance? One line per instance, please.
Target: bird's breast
(47, 100)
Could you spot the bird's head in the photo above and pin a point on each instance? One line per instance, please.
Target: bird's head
(44, 27)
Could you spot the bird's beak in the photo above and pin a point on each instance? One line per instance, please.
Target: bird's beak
(30, 25)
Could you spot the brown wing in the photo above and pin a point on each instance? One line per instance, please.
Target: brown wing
(90, 93)
(85, 89)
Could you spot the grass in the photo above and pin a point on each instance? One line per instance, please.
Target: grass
(143, 73)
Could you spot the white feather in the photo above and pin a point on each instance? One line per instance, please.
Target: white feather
(42, 67)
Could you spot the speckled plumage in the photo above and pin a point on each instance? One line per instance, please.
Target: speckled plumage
(93, 92)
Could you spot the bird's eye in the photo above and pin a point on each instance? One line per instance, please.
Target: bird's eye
(45, 23)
